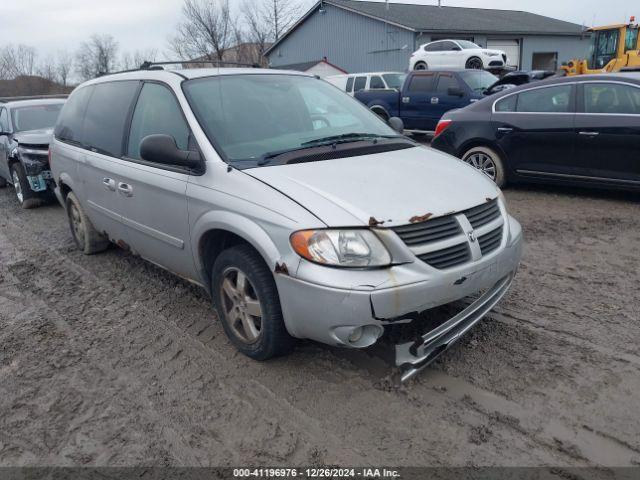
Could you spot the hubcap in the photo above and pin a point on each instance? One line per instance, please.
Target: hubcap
(475, 64)
(242, 308)
(421, 66)
(76, 224)
(17, 186)
(484, 163)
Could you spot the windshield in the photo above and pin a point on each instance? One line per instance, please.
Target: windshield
(394, 80)
(249, 117)
(603, 48)
(478, 80)
(466, 45)
(35, 117)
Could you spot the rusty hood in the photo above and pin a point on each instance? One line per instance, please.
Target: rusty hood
(389, 189)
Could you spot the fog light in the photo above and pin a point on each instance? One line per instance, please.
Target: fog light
(355, 335)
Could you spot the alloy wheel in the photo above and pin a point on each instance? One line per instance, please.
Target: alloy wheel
(76, 224)
(17, 186)
(482, 162)
(241, 305)
(475, 64)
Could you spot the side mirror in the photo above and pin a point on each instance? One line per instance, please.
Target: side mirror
(163, 149)
(455, 92)
(397, 124)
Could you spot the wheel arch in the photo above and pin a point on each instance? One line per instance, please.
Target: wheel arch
(216, 231)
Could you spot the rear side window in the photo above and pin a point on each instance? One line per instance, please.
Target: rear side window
(422, 83)
(445, 82)
(433, 47)
(106, 116)
(360, 84)
(507, 104)
(611, 98)
(69, 125)
(4, 120)
(157, 111)
(376, 83)
(545, 100)
(349, 84)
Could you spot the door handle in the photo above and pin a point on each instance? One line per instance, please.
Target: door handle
(590, 134)
(435, 100)
(109, 184)
(125, 189)
(505, 129)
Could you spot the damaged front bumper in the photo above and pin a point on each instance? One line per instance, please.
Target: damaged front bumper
(36, 167)
(355, 308)
(412, 357)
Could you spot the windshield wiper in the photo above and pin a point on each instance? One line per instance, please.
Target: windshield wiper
(347, 137)
(325, 141)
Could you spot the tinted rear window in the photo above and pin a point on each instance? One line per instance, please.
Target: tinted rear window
(69, 125)
(106, 115)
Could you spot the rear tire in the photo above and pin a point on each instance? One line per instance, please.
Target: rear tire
(421, 66)
(487, 161)
(474, 63)
(245, 296)
(84, 234)
(26, 197)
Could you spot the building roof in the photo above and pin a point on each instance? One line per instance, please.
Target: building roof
(434, 19)
(304, 66)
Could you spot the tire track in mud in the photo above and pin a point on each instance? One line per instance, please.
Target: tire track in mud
(276, 439)
(326, 406)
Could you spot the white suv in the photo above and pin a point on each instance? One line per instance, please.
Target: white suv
(456, 54)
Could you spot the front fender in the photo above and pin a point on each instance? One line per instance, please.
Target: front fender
(249, 230)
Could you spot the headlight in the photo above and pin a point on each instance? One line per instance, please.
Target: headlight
(492, 54)
(341, 248)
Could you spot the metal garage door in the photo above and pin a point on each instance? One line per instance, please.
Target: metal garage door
(510, 47)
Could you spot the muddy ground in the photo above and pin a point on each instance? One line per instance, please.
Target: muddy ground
(108, 360)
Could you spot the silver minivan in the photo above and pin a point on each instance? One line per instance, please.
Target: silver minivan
(302, 213)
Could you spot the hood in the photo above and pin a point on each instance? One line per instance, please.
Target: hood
(389, 189)
(34, 137)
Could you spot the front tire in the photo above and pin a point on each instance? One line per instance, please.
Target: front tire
(474, 63)
(246, 298)
(487, 161)
(421, 66)
(84, 234)
(26, 197)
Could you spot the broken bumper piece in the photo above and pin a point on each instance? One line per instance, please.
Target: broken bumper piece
(412, 357)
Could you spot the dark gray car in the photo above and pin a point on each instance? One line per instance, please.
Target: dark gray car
(26, 126)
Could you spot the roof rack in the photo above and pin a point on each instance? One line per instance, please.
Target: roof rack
(214, 63)
(32, 97)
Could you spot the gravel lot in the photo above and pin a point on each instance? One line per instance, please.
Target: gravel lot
(108, 360)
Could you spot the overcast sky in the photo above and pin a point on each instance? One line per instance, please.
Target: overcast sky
(52, 25)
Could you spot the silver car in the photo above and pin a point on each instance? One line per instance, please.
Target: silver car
(302, 213)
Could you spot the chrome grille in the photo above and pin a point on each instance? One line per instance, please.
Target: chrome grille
(447, 257)
(429, 231)
(483, 214)
(490, 241)
(446, 242)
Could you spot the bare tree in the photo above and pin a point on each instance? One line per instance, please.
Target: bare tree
(258, 32)
(64, 66)
(207, 30)
(47, 69)
(97, 56)
(279, 15)
(133, 60)
(18, 60)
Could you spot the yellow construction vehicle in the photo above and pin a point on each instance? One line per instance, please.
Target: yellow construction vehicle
(613, 48)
